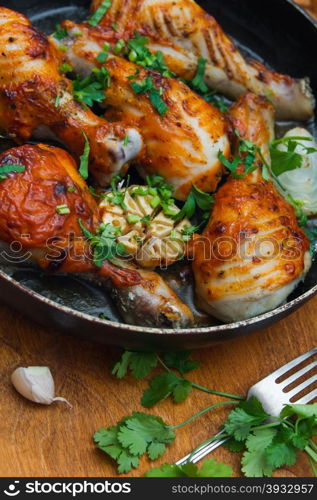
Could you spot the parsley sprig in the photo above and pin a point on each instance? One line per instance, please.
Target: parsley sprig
(91, 89)
(249, 155)
(268, 442)
(167, 383)
(196, 198)
(104, 243)
(284, 161)
(147, 86)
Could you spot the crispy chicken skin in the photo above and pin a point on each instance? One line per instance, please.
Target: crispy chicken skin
(253, 253)
(29, 216)
(30, 83)
(182, 146)
(183, 31)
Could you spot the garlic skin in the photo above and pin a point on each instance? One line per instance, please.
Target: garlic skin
(36, 384)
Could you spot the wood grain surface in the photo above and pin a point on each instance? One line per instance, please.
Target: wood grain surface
(56, 441)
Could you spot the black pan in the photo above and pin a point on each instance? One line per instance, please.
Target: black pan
(276, 31)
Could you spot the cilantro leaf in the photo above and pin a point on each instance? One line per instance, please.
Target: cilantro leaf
(146, 86)
(255, 465)
(84, 158)
(164, 385)
(140, 364)
(209, 468)
(107, 441)
(141, 430)
(196, 198)
(234, 445)
(96, 17)
(241, 419)
(60, 32)
(105, 246)
(302, 411)
(260, 439)
(280, 453)
(283, 161)
(179, 360)
(92, 88)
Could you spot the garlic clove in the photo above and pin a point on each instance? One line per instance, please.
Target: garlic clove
(36, 384)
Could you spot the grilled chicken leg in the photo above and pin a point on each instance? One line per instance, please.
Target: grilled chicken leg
(183, 144)
(40, 208)
(36, 100)
(183, 31)
(252, 254)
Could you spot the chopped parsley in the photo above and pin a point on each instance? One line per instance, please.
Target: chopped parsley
(119, 46)
(198, 85)
(247, 156)
(102, 57)
(71, 189)
(91, 89)
(114, 27)
(105, 246)
(65, 68)
(9, 169)
(141, 55)
(196, 198)
(62, 209)
(146, 86)
(284, 161)
(60, 32)
(96, 17)
(84, 158)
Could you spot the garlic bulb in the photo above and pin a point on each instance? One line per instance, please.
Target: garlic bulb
(151, 237)
(36, 384)
(301, 183)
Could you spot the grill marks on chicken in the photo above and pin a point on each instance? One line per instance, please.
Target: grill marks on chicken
(183, 31)
(29, 215)
(36, 99)
(253, 253)
(182, 146)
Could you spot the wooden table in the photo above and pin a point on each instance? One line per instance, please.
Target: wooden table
(56, 441)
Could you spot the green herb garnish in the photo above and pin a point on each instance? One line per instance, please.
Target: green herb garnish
(84, 159)
(198, 85)
(65, 68)
(284, 161)
(96, 17)
(102, 57)
(248, 156)
(105, 246)
(62, 209)
(60, 32)
(208, 468)
(196, 198)
(141, 55)
(91, 89)
(146, 86)
(9, 169)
